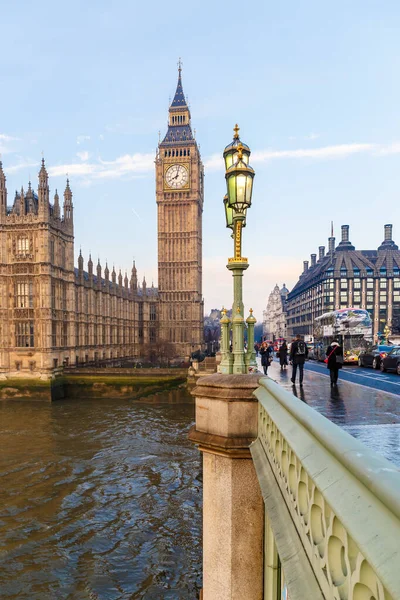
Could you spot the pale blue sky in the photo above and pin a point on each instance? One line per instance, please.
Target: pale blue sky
(313, 85)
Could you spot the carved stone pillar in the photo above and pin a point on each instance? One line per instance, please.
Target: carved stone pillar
(233, 510)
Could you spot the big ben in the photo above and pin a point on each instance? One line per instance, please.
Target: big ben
(180, 195)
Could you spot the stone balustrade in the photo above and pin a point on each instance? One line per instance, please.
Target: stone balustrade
(291, 499)
(341, 499)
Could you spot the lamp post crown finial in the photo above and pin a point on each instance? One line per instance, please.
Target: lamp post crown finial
(236, 132)
(251, 311)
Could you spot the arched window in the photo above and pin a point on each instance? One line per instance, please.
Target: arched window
(184, 153)
(189, 152)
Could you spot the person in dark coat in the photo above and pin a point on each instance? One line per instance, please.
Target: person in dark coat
(334, 354)
(298, 355)
(266, 356)
(283, 352)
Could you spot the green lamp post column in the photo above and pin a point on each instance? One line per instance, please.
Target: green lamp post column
(250, 358)
(226, 356)
(239, 179)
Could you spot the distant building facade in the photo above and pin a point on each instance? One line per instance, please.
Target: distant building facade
(274, 317)
(180, 197)
(53, 314)
(346, 277)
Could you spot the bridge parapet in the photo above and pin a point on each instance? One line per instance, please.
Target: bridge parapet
(332, 505)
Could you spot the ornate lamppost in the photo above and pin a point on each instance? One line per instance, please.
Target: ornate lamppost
(239, 180)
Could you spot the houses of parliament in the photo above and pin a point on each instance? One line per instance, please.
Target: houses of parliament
(53, 313)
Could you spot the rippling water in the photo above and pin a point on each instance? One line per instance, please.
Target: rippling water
(98, 500)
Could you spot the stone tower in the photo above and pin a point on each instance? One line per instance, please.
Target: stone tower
(180, 194)
(36, 277)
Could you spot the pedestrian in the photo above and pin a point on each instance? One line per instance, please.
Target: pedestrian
(334, 360)
(283, 352)
(266, 356)
(298, 355)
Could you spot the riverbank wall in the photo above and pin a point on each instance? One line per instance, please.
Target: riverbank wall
(150, 385)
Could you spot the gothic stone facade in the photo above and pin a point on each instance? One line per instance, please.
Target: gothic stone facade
(346, 277)
(180, 194)
(274, 321)
(51, 313)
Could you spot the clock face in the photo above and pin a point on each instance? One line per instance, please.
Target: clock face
(177, 176)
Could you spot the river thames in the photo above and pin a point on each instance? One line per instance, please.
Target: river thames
(99, 500)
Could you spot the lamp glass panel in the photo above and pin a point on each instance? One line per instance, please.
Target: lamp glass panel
(229, 215)
(249, 185)
(232, 190)
(229, 158)
(241, 190)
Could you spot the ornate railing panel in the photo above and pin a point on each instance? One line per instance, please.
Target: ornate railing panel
(343, 499)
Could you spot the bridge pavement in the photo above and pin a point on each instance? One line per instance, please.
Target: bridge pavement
(366, 403)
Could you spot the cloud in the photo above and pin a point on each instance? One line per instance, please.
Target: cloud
(83, 155)
(22, 165)
(215, 162)
(393, 148)
(122, 166)
(82, 138)
(7, 138)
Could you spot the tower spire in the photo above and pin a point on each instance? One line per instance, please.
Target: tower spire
(179, 100)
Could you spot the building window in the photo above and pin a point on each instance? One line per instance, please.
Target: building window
(63, 256)
(54, 334)
(23, 246)
(53, 295)
(65, 335)
(357, 284)
(140, 312)
(152, 335)
(24, 294)
(24, 334)
(52, 253)
(153, 312)
(64, 296)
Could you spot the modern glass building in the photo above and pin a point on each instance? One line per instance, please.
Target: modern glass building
(346, 277)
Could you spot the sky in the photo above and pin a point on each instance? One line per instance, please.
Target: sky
(313, 85)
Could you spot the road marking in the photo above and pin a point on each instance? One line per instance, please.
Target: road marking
(383, 378)
(360, 384)
(355, 373)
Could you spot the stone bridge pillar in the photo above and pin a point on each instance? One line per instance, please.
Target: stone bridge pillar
(233, 510)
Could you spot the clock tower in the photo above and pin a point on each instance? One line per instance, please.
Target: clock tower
(180, 194)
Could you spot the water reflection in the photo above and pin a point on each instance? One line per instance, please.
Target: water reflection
(299, 393)
(98, 500)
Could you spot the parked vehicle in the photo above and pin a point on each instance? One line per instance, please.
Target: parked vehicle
(373, 355)
(391, 362)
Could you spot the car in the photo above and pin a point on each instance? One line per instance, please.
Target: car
(372, 356)
(391, 362)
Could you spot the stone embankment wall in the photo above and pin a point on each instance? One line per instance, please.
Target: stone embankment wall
(150, 385)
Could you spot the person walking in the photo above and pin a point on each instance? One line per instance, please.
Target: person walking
(334, 359)
(266, 356)
(283, 352)
(298, 355)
